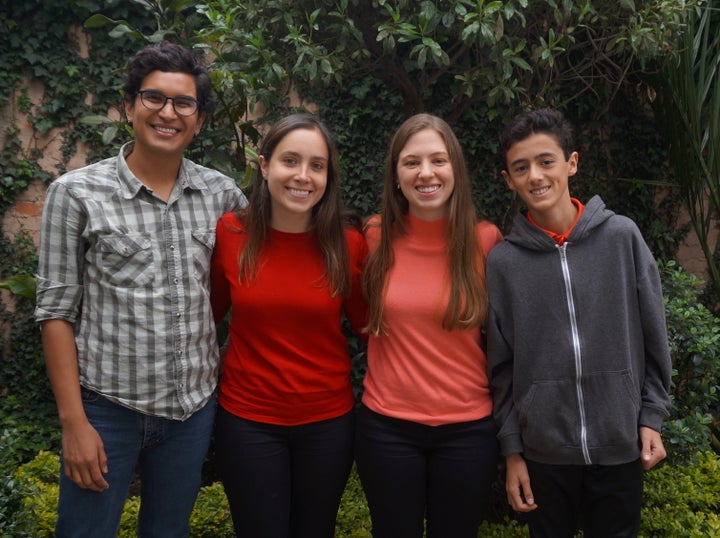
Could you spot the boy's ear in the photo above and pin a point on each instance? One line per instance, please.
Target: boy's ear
(573, 163)
(508, 180)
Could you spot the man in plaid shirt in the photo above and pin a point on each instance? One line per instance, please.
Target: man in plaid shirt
(123, 303)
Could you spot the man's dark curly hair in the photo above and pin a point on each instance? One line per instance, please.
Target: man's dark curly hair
(170, 58)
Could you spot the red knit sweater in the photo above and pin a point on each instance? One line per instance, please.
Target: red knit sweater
(288, 359)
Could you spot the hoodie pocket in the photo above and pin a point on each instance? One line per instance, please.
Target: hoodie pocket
(613, 408)
(550, 413)
(549, 416)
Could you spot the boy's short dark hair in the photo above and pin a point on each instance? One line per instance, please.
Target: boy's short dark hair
(169, 58)
(544, 120)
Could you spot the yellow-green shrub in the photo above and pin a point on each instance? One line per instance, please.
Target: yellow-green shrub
(37, 481)
(683, 500)
(211, 516)
(679, 501)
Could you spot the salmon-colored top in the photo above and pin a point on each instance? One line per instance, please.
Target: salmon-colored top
(419, 371)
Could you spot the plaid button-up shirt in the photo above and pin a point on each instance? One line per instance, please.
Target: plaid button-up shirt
(131, 272)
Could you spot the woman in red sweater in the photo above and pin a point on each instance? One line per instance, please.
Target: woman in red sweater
(425, 441)
(289, 266)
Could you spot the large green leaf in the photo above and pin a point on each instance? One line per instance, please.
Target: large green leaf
(22, 285)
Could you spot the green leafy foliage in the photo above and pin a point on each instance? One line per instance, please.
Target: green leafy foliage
(694, 335)
(37, 483)
(492, 52)
(210, 518)
(367, 65)
(41, 41)
(353, 519)
(27, 412)
(683, 500)
(227, 140)
(22, 285)
(363, 120)
(688, 110)
(678, 501)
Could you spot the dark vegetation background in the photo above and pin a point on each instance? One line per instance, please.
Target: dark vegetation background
(365, 66)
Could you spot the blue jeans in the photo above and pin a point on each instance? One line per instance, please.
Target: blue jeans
(168, 454)
(284, 481)
(413, 473)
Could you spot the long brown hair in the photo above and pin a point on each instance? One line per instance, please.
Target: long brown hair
(468, 304)
(327, 219)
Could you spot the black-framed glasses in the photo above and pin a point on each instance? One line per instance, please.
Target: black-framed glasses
(183, 105)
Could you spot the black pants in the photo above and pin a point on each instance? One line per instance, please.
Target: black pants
(284, 481)
(411, 472)
(603, 501)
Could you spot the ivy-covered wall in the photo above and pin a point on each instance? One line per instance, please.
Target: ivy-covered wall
(52, 74)
(48, 68)
(55, 73)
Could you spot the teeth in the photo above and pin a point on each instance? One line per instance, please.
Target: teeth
(429, 189)
(298, 192)
(165, 129)
(540, 191)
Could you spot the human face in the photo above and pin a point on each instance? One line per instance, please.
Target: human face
(425, 175)
(164, 132)
(296, 175)
(538, 172)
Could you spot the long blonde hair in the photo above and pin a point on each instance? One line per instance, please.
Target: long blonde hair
(468, 304)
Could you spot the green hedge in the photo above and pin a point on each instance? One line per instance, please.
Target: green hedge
(679, 501)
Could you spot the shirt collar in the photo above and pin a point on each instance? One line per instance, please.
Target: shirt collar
(561, 238)
(131, 185)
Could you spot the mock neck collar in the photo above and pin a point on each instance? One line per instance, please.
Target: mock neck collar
(426, 231)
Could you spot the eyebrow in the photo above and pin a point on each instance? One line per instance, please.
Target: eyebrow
(538, 156)
(434, 154)
(170, 96)
(292, 153)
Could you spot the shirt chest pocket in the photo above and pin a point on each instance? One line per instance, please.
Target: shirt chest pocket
(127, 260)
(202, 248)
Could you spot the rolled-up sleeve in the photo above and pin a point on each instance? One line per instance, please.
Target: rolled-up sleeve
(60, 264)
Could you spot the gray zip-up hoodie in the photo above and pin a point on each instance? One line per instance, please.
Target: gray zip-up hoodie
(577, 343)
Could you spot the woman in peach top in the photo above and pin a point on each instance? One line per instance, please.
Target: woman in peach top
(425, 440)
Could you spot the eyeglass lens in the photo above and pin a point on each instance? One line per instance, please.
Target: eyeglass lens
(183, 106)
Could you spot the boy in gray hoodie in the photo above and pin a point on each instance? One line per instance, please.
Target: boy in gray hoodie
(577, 345)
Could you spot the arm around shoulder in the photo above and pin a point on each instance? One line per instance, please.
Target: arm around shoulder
(355, 305)
(229, 240)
